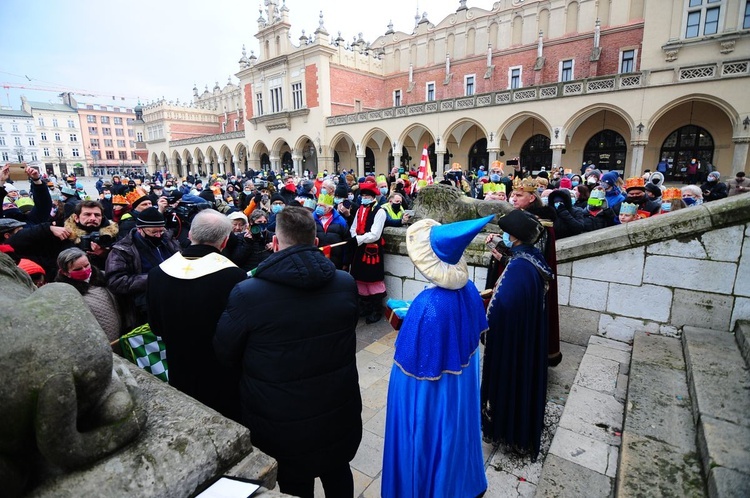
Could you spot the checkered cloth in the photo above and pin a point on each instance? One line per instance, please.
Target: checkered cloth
(147, 350)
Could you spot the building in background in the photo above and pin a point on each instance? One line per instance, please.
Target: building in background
(620, 84)
(109, 138)
(18, 139)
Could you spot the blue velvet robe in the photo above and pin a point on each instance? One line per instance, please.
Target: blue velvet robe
(433, 444)
(514, 376)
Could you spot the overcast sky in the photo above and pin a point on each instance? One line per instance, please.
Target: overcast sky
(146, 49)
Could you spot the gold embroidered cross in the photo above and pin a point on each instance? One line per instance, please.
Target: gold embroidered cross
(187, 269)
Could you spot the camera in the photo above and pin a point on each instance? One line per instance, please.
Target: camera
(98, 239)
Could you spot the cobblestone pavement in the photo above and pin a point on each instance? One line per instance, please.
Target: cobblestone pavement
(506, 475)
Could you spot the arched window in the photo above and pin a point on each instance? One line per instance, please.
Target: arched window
(369, 161)
(684, 144)
(536, 153)
(478, 155)
(286, 161)
(608, 150)
(437, 170)
(265, 161)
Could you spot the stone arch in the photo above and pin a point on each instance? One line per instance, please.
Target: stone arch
(466, 142)
(240, 152)
(575, 121)
(413, 139)
(199, 167)
(176, 164)
(211, 161)
(517, 31)
(592, 121)
(164, 161)
(471, 38)
(154, 161)
(730, 112)
(517, 129)
(343, 146)
(381, 146)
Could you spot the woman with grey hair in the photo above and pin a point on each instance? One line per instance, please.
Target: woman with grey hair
(74, 268)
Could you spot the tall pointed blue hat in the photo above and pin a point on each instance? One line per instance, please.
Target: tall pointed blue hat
(450, 241)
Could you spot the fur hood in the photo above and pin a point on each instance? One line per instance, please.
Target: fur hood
(107, 228)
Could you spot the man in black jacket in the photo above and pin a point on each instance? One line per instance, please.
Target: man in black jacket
(199, 274)
(299, 389)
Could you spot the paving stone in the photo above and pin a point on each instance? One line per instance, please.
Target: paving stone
(728, 483)
(361, 482)
(560, 378)
(711, 311)
(580, 449)
(369, 457)
(610, 343)
(659, 406)
(376, 395)
(373, 490)
(501, 483)
(620, 328)
(562, 478)
(367, 413)
(718, 378)
(621, 391)
(724, 444)
(653, 468)
(389, 339)
(371, 373)
(658, 350)
(376, 424)
(598, 374)
(601, 351)
(377, 348)
(593, 414)
(364, 358)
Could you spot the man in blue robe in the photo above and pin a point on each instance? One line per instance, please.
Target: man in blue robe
(433, 444)
(514, 377)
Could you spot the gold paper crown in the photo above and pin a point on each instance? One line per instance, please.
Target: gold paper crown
(635, 182)
(134, 195)
(456, 167)
(525, 184)
(497, 165)
(120, 200)
(671, 194)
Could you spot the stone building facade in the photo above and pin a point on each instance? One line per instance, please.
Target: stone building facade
(58, 136)
(18, 138)
(620, 83)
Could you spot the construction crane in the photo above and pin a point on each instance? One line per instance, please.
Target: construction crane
(60, 90)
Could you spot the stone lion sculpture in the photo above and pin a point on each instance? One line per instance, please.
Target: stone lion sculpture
(60, 397)
(447, 204)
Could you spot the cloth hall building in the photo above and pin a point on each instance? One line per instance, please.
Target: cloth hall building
(621, 83)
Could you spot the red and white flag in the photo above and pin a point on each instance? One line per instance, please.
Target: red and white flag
(424, 175)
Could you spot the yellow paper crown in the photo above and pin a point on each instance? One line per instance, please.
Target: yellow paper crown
(382, 178)
(325, 199)
(493, 187)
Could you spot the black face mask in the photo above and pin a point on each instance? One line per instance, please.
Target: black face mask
(636, 200)
(396, 207)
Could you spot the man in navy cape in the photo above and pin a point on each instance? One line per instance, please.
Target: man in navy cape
(433, 442)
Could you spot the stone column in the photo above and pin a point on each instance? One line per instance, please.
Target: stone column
(636, 159)
(440, 161)
(557, 154)
(236, 166)
(739, 160)
(220, 168)
(297, 165)
(360, 165)
(397, 161)
(493, 155)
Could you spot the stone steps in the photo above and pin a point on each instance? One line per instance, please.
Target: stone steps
(742, 336)
(719, 384)
(582, 459)
(659, 456)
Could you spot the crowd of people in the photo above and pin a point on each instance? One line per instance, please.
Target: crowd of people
(139, 249)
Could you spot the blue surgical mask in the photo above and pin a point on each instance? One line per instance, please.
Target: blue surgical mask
(350, 197)
(545, 201)
(574, 183)
(666, 206)
(107, 196)
(320, 210)
(323, 191)
(689, 201)
(506, 240)
(384, 190)
(337, 200)
(558, 204)
(495, 178)
(366, 201)
(276, 208)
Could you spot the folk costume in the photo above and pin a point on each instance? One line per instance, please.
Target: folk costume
(433, 444)
(367, 266)
(514, 376)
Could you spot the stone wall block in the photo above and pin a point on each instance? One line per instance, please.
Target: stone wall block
(741, 311)
(394, 286)
(698, 309)
(686, 273)
(623, 329)
(592, 244)
(724, 244)
(564, 269)
(732, 210)
(591, 294)
(742, 283)
(650, 302)
(479, 275)
(399, 265)
(680, 248)
(577, 325)
(623, 267)
(412, 288)
(563, 290)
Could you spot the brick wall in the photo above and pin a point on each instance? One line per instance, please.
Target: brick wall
(248, 101)
(311, 86)
(231, 116)
(181, 131)
(348, 85)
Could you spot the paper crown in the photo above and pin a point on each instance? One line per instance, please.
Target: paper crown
(382, 178)
(497, 165)
(635, 182)
(628, 208)
(671, 194)
(456, 167)
(134, 195)
(493, 187)
(119, 200)
(525, 184)
(449, 241)
(325, 199)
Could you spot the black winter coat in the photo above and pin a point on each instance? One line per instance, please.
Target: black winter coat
(569, 220)
(292, 328)
(184, 312)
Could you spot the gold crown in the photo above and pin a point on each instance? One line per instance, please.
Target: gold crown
(671, 194)
(525, 184)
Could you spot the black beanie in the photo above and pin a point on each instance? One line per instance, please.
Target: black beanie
(149, 217)
(207, 195)
(341, 191)
(277, 197)
(654, 189)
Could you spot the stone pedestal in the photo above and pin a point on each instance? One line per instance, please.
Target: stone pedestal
(183, 446)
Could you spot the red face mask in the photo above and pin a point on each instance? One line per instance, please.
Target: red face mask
(80, 275)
